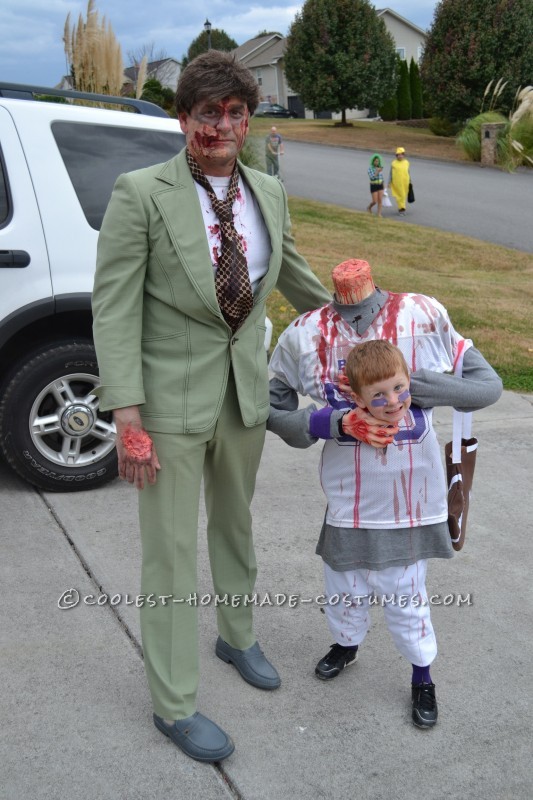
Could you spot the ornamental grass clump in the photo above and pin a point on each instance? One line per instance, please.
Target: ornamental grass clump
(514, 144)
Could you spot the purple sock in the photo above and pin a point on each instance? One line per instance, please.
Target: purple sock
(420, 675)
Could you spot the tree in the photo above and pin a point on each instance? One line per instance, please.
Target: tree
(93, 54)
(340, 55)
(416, 90)
(153, 91)
(219, 41)
(404, 92)
(147, 51)
(470, 44)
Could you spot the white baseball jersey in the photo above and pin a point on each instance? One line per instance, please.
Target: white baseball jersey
(402, 485)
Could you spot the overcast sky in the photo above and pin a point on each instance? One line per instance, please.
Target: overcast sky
(31, 31)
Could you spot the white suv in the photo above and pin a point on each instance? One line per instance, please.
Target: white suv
(58, 165)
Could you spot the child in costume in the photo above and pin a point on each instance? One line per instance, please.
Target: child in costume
(383, 478)
(399, 179)
(379, 379)
(375, 173)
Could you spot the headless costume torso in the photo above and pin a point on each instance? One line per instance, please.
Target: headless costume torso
(373, 524)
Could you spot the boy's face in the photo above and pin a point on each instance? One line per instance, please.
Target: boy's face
(386, 400)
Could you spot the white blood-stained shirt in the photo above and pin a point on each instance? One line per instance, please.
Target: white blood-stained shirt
(403, 485)
(248, 221)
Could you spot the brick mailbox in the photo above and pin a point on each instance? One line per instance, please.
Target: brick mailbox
(489, 137)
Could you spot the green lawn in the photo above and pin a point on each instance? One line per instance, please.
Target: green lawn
(487, 289)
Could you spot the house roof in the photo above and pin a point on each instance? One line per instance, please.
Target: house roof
(252, 52)
(268, 55)
(151, 67)
(381, 11)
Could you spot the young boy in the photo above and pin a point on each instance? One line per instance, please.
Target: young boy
(379, 380)
(384, 481)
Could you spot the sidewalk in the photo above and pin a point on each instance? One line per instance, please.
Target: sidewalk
(76, 718)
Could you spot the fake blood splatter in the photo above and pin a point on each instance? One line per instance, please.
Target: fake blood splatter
(353, 281)
(137, 444)
(390, 323)
(303, 319)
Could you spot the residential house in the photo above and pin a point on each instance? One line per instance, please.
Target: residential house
(264, 57)
(409, 38)
(166, 71)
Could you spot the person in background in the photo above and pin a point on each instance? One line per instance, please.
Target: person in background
(273, 150)
(375, 173)
(399, 179)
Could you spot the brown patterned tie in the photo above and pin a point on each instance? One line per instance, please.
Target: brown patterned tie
(232, 279)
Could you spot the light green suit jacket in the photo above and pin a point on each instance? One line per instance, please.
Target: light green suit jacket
(161, 340)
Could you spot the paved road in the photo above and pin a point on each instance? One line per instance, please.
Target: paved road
(484, 203)
(75, 709)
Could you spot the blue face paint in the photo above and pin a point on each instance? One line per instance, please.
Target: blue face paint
(404, 395)
(378, 402)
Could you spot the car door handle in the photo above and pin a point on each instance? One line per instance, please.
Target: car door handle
(14, 258)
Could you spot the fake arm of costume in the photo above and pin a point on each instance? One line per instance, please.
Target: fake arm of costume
(118, 297)
(286, 420)
(296, 281)
(302, 427)
(479, 387)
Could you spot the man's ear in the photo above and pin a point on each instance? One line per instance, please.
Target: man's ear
(182, 119)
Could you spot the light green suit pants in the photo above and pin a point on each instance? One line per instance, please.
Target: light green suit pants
(228, 457)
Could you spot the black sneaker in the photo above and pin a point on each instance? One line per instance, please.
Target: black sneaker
(335, 661)
(425, 710)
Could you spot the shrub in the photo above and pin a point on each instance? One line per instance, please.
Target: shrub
(416, 90)
(404, 93)
(389, 110)
(469, 138)
(441, 126)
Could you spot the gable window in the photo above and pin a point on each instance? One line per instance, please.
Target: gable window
(259, 77)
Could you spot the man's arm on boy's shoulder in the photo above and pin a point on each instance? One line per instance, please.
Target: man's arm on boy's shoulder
(479, 387)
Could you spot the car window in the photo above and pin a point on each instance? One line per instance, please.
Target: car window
(4, 195)
(95, 155)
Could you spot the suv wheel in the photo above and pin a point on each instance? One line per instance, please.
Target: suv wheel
(51, 430)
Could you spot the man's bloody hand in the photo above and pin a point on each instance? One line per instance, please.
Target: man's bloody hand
(137, 458)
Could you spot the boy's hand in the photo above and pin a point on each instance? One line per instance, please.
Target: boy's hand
(361, 425)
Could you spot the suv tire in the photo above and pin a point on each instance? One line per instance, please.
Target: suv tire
(52, 432)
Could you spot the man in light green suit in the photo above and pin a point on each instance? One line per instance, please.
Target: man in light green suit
(188, 382)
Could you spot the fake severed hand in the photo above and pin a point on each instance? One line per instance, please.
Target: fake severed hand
(361, 425)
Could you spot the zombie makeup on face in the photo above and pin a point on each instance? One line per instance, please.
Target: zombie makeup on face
(216, 130)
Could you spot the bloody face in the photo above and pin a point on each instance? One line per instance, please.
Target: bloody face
(215, 132)
(387, 400)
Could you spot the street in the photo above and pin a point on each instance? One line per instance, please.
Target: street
(481, 202)
(76, 712)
